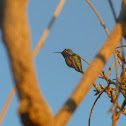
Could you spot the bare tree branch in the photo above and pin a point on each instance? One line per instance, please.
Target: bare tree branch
(7, 104)
(39, 46)
(33, 108)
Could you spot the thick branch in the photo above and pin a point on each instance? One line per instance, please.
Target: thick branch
(94, 69)
(33, 109)
(90, 76)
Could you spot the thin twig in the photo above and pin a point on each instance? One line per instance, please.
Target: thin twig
(110, 68)
(117, 83)
(116, 117)
(120, 63)
(120, 46)
(121, 109)
(95, 103)
(101, 21)
(93, 108)
(120, 56)
(47, 30)
(4, 110)
(113, 10)
(84, 60)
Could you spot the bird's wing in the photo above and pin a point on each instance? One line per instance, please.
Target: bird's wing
(76, 63)
(68, 61)
(79, 63)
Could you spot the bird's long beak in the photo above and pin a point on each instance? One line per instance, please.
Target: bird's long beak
(57, 52)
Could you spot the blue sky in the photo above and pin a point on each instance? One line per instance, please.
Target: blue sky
(76, 28)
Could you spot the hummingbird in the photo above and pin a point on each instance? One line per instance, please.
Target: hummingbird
(72, 60)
